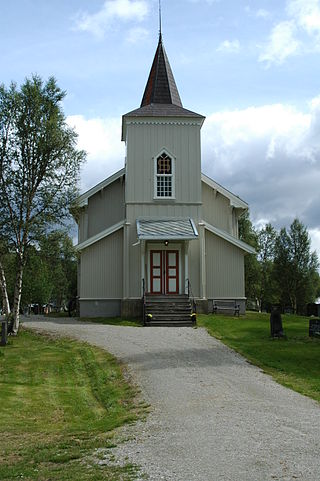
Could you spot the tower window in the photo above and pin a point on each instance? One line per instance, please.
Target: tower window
(164, 181)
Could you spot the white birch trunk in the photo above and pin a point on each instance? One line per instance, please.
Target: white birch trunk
(3, 285)
(17, 297)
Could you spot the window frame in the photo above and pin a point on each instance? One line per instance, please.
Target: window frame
(156, 176)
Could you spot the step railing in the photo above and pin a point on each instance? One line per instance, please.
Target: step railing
(144, 302)
(193, 303)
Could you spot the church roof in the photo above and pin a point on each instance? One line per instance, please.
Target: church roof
(161, 87)
(161, 97)
(163, 110)
(166, 229)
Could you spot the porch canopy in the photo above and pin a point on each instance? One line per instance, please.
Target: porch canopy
(166, 229)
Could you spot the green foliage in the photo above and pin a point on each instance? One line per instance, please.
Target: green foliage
(295, 267)
(293, 362)
(60, 402)
(61, 258)
(266, 246)
(39, 167)
(248, 234)
(50, 273)
(284, 270)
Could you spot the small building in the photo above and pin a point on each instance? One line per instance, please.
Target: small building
(159, 228)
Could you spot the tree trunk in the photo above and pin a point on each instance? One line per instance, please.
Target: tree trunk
(17, 296)
(3, 285)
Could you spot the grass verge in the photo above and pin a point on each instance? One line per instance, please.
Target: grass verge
(293, 362)
(112, 321)
(59, 402)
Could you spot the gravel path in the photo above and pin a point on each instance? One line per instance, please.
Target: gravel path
(215, 417)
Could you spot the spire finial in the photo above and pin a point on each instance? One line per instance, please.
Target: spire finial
(160, 21)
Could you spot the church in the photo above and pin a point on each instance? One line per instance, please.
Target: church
(159, 239)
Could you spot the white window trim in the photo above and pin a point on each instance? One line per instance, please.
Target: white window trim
(173, 175)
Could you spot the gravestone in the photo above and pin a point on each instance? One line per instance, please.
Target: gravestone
(276, 324)
(314, 328)
(4, 333)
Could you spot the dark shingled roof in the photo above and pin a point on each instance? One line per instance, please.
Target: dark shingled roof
(161, 97)
(162, 110)
(161, 87)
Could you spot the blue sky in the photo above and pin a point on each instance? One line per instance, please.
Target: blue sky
(252, 67)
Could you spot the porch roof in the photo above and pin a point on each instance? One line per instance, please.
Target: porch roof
(166, 229)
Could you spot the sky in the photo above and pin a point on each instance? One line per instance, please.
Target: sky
(252, 67)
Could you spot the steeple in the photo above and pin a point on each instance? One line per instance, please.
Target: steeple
(161, 97)
(161, 87)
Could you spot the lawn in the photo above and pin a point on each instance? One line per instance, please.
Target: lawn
(293, 362)
(59, 402)
(111, 321)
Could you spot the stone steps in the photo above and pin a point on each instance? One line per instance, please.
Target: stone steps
(171, 310)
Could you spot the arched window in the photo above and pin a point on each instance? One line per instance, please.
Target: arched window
(164, 176)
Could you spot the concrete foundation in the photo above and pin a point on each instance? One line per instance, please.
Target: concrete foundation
(100, 308)
(131, 308)
(202, 306)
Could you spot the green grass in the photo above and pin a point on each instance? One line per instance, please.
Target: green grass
(293, 362)
(112, 321)
(115, 321)
(59, 402)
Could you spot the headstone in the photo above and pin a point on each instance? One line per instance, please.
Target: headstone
(276, 324)
(314, 328)
(4, 333)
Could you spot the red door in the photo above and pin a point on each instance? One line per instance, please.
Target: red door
(164, 272)
(156, 279)
(172, 272)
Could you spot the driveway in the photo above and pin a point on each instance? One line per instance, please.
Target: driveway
(214, 416)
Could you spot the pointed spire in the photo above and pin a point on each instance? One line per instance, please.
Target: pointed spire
(161, 87)
(160, 21)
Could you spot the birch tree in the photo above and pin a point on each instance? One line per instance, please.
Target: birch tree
(295, 267)
(39, 168)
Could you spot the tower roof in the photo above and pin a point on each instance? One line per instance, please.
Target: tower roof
(161, 97)
(161, 87)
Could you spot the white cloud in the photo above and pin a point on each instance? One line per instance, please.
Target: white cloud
(137, 34)
(230, 46)
(281, 44)
(269, 156)
(262, 13)
(210, 2)
(315, 240)
(101, 138)
(112, 11)
(306, 13)
(298, 34)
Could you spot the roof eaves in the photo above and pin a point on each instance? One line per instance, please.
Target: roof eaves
(83, 198)
(235, 201)
(100, 236)
(165, 236)
(229, 238)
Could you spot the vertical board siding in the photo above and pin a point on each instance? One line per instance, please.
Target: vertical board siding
(194, 266)
(224, 268)
(83, 225)
(216, 209)
(146, 141)
(134, 264)
(106, 208)
(102, 268)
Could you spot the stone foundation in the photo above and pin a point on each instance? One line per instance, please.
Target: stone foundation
(131, 308)
(100, 308)
(202, 306)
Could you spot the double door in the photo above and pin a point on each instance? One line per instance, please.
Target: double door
(164, 272)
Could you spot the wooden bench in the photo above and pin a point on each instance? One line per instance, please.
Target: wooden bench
(226, 305)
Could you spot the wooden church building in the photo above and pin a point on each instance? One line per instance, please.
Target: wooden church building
(159, 233)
